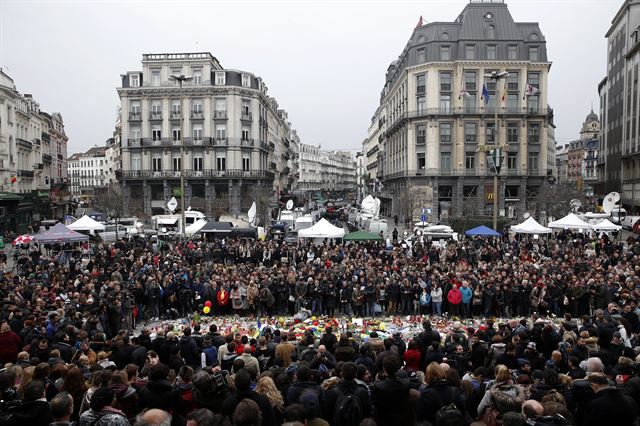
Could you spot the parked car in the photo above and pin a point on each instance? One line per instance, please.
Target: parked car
(109, 233)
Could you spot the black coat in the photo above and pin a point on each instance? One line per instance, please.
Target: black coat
(611, 407)
(349, 387)
(391, 401)
(229, 405)
(189, 351)
(159, 394)
(436, 396)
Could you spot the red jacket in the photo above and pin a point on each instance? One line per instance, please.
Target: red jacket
(9, 347)
(412, 358)
(454, 296)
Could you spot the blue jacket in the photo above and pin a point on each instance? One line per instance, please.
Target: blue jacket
(467, 294)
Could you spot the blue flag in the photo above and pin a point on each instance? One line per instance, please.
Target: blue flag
(485, 94)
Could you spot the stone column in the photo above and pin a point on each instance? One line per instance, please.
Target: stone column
(482, 181)
(166, 189)
(209, 196)
(187, 194)
(146, 194)
(457, 197)
(126, 198)
(234, 197)
(502, 191)
(435, 201)
(522, 194)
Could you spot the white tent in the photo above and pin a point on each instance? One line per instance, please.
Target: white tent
(85, 223)
(530, 226)
(322, 229)
(570, 221)
(606, 226)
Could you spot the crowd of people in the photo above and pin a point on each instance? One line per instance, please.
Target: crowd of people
(557, 343)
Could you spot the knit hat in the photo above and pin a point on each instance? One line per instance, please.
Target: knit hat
(532, 345)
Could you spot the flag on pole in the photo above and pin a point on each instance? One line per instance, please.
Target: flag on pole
(485, 94)
(420, 22)
(464, 93)
(531, 90)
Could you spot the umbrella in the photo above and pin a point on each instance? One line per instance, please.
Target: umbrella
(23, 239)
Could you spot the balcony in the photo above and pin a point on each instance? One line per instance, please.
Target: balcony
(220, 142)
(135, 116)
(247, 142)
(197, 115)
(46, 158)
(207, 173)
(155, 115)
(36, 141)
(246, 116)
(26, 173)
(46, 137)
(134, 143)
(175, 115)
(60, 157)
(220, 115)
(22, 143)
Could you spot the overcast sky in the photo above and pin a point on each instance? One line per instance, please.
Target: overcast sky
(324, 61)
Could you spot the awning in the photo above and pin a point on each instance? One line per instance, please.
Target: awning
(167, 221)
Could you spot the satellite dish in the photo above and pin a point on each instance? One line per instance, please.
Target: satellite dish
(289, 204)
(251, 214)
(526, 215)
(610, 201)
(575, 204)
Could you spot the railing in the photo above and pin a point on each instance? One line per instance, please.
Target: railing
(47, 158)
(24, 143)
(135, 116)
(175, 115)
(155, 115)
(220, 141)
(246, 116)
(220, 115)
(462, 172)
(198, 114)
(206, 173)
(46, 137)
(246, 142)
(26, 173)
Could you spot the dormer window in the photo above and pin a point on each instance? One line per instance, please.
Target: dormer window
(246, 80)
(491, 31)
(134, 80)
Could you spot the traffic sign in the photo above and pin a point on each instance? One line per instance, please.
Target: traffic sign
(172, 204)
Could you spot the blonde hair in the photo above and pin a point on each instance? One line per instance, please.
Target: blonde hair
(502, 373)
(433, 373)
(267, 387)
(27, 376)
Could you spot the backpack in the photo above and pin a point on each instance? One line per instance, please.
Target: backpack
(348, 411)
(449, 415)
(503, 402)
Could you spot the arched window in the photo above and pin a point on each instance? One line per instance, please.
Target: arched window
(534, 37)
(445, 35)
(491, 32)
(421, 39)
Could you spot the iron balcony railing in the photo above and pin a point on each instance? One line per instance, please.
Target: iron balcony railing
(206, 173)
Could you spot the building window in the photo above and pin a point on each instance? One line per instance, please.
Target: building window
(533, 161)
(492, 52)
(470, 51)
(134, 80)
(135, 134)
(421, 83)
(421, 58)
(421, 134)
(156, 164)
(512, 52)
(245, 134)
(175, 134)
(445, 161)
(533, 102)
(156, 133)
(177, 164)
(245, 108)
(470, 81)
(470, 132)
(197, 106)
(512, 133)
(175, 108)
(445, 104)
(221, 132)
(221, 78)
(221, 163)
(470, 103)
(470, 160)
(155, 78)
(421, 103)
(445, 132)
(491, 32)
(136, 161)
(533, 78)
(246, 163)
(197, 77)
(197, 164)
(197, 132)
(512, 161)
(445, 53)
(490, 132)
(534, 133)
(221, 105)
(445, 82)
(246, 80)
(156, 108)
(512, 81)
(422, 163)
(512, 102)
(533, 53)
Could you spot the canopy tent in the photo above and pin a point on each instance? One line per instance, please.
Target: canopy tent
(60, 234)
(216, 228)
(482, 231)
(322, 229)
(363, 236)
(606, 226)
(530, 226)
(85, 223)
(570, 221)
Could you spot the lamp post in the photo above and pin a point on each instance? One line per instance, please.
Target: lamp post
(181, 79)
(495, 148)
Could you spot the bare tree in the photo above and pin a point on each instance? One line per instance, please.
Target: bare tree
(556, 200)
(109, 200)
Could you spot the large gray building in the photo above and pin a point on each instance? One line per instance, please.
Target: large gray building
(619, 166)
(437, 118)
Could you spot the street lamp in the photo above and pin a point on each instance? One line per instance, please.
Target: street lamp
(181, 79)
(495, 149)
